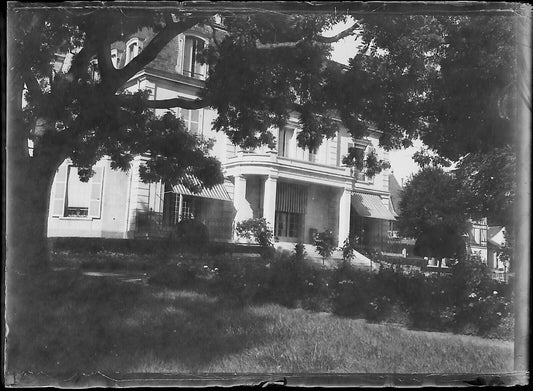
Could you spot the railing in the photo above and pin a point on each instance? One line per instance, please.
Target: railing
(156, 224)
(152, 224)
(389, 245)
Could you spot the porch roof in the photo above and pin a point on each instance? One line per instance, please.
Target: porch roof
(370, 205)
(217, 192)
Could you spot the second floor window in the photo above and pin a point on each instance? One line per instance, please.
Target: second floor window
(191, 65)
(312, 155)
(132, 49)
(191, 119)
(479, 236)
(284, 138)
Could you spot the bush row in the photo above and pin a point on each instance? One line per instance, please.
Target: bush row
(466, 301)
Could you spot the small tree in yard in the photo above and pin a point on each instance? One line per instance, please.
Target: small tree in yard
(256, 229)
(325, 244)
(433, 211)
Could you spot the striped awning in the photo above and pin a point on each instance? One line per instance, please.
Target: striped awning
(370, 205)
(217, 192)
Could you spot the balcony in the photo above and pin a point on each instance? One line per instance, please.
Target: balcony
(269, 163)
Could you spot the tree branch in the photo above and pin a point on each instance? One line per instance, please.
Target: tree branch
(214, 35)
(167, 103)
(343, 34)
(318, 40)
(150, 52)
(80, 62)
(105, 64)
(277, 45)
(32, 84)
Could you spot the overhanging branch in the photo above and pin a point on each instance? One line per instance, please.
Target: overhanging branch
(167, 103)
(318, 40)
(32, 84)
(343, 34)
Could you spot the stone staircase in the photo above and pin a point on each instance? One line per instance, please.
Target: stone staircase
(359, 259)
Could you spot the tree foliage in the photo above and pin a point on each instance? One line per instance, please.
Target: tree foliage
(448, 79)
(433, 211)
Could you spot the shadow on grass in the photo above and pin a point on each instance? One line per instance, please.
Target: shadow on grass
(64, 322)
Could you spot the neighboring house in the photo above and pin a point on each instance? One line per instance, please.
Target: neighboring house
(495, 243)
(298, 192)
(477, 238)
(397, 244)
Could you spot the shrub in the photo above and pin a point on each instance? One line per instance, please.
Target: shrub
(239, 281)
(348, 248)
(427, 300)
(192, 235)
(481, 302)
(258, 230)
(181, 274)
(325, 244)
(351, 293)
(299, 251)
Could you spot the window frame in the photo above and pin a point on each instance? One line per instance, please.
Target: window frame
(129, 43)
(189, 69)
(114, 57)
(59, 201)
(188, 120)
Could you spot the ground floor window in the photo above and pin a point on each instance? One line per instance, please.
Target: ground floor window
(78, 194)
(288, 224)
(177, 207)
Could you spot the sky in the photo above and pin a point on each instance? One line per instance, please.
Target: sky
(402, 164)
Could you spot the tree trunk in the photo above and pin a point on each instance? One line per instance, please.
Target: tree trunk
(28, 198)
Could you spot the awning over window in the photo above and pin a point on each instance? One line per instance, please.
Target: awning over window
(217, 192)
(370, 205)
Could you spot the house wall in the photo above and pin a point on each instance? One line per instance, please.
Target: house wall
(254, 194)
(322, 210)
(124, 195)
(481, 251)
(217, 216)
(112, 220)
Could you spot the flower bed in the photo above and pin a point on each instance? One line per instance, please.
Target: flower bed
(466, 301)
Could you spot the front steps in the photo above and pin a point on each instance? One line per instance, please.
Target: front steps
(359, 259)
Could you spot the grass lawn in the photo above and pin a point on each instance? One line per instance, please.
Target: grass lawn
(84, 324)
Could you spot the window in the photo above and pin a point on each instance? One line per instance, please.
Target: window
(358, 174)
(312, 156)
(95, 73)
(284, 138)
(132, 49)
(191, 65)
(191, 119)
(288, 224)
(77, 197)
(74, 198)
(172, 214)
(114, 57)
(479, 236)
(187, 208)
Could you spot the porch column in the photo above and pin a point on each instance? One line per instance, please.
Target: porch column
(344, 215)
(269, 200)
(242, 206)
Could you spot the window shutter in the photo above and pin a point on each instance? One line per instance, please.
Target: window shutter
(58, 204)
(95, 203)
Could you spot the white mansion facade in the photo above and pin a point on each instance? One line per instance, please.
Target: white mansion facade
(297, 192)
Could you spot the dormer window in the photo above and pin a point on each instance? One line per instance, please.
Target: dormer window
(191, 65)
(114, 57)
(132, 49)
